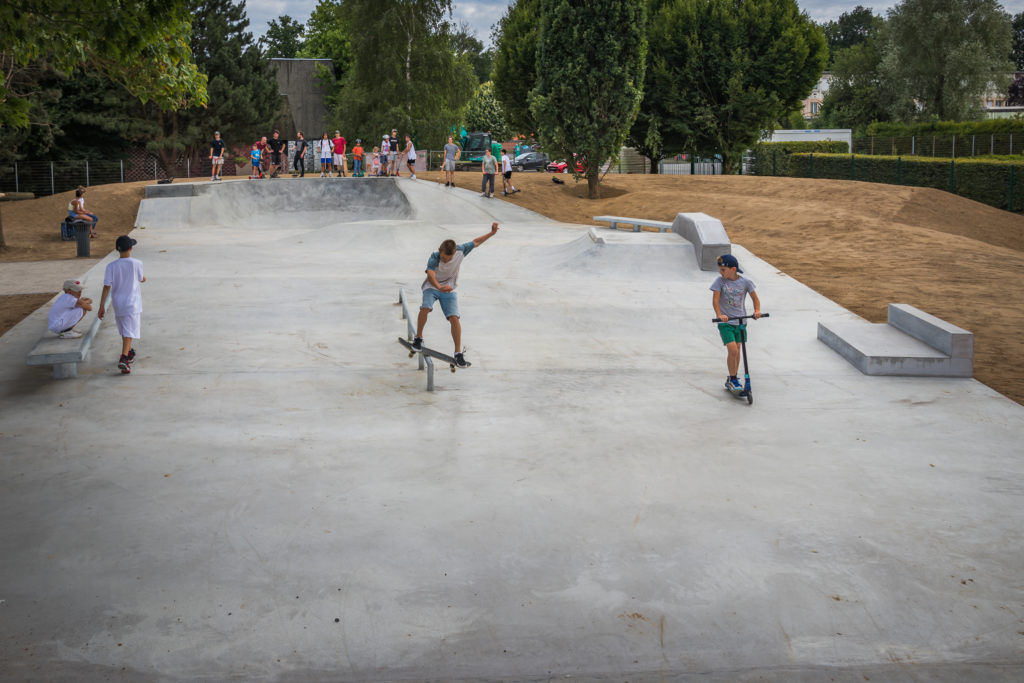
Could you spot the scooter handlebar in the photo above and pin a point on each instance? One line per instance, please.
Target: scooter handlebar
(739, 317)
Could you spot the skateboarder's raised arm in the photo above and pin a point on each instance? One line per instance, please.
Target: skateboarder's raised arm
(483, 238)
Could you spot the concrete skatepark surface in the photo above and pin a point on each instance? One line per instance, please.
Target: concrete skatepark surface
(272, 494)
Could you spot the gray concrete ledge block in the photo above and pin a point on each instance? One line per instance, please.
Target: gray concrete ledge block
(881, 349)
(953, 341)
(708, 236)
(634, 223)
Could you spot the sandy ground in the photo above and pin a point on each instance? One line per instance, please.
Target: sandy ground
(862, 245)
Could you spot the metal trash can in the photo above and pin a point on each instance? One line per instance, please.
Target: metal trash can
(82, 236)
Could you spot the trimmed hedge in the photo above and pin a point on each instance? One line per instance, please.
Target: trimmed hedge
(988, 181)
(985, 127)
(772, 158)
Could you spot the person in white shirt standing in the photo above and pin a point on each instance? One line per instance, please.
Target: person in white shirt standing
(122, 279)
(506, 175)
(68, 310)
(410, 156)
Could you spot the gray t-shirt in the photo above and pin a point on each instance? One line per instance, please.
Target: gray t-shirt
(490, 164)
(447, 273)
(450, 150)
(733, 300)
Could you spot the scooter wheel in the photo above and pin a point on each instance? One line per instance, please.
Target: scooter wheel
(750, 396)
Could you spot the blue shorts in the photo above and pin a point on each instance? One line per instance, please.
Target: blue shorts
(449, 301)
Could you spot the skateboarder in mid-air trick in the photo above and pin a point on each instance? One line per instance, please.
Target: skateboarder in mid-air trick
(442, 276)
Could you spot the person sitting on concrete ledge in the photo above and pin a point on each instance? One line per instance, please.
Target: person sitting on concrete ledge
(68, 310)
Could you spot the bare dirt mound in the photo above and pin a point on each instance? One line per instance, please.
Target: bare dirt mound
(862, 245)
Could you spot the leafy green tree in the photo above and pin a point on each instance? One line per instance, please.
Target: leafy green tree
(283, 38)
(404, 74)
(484, 113)
(735, 67)
(852, 28)
(468, 47)
(943, 55)
(327, 37)
(653, 132)
(857, 94)
(587, 96)
(515, 63)
(244, 95)
(141, 45)
(1017, 56)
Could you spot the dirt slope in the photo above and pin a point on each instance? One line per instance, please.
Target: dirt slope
(862, 245)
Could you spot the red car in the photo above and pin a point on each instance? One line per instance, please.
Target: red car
(562, 166)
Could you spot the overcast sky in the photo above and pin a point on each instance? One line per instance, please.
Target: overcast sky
(482, 14)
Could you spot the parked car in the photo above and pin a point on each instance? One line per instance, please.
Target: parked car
(562, 166)
(531, 161)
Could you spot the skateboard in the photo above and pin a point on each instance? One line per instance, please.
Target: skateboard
(432, 354)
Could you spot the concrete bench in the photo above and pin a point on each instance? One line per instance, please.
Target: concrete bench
(912, 343)
(65, 354)
(708, 236)
(636, 223)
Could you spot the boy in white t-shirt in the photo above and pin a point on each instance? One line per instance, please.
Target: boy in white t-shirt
(122, 279)
(506, 175)
(68, 310)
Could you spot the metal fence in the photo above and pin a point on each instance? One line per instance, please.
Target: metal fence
(51, 177)
(944, 146)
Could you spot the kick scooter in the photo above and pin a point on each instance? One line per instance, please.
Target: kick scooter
(747, 392)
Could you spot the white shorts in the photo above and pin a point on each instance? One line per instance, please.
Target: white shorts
(217, 161)
(449, 164)
(339, 159)
(129, 325)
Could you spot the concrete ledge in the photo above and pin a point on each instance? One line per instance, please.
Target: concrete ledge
(707, 235)
(65, 354)
(884, 349)
(636, 223)
(594, 237)
(951, 340)
(170, 190)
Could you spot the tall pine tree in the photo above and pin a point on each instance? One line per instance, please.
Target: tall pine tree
(590, 73)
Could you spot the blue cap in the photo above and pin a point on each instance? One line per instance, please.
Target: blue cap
(729, 261)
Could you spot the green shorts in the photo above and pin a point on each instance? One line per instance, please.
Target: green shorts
(732, 333)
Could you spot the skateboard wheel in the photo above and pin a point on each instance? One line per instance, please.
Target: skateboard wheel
(452, 367)
(411, 354)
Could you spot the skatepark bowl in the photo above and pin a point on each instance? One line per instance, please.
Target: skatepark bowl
(272, 494)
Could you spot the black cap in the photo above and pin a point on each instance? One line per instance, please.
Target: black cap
(124, 243)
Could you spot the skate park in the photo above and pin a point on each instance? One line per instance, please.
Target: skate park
(274, 495)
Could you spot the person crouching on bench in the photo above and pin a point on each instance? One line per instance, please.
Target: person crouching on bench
(68, 310)
(442, 276)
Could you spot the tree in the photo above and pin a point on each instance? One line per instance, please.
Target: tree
(484, 113)
(141, 45)
(857, 95)
(587, 96)
(327, 37)
(244, 95)
(515, 63)
(283, 38)
(1017, 56)
(944, 55)
(467, 46)
(733, 68)
(852, 28)
(404, 74)
(652, 132)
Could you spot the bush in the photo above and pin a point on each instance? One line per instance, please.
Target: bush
(990, 181)
(772, 158)
(986, 127)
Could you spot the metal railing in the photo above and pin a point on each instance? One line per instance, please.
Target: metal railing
(943, 146)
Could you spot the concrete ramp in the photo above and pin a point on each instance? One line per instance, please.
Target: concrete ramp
(271, 494)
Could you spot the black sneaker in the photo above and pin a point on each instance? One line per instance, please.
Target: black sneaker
(460, 361)
(417, 344)
(130, 357)
(123, 365)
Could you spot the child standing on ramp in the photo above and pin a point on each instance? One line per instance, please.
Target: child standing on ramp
(729, 301)
(442, 277)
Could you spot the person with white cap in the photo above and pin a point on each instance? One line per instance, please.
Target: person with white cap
(385, 154)
(68, 310)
